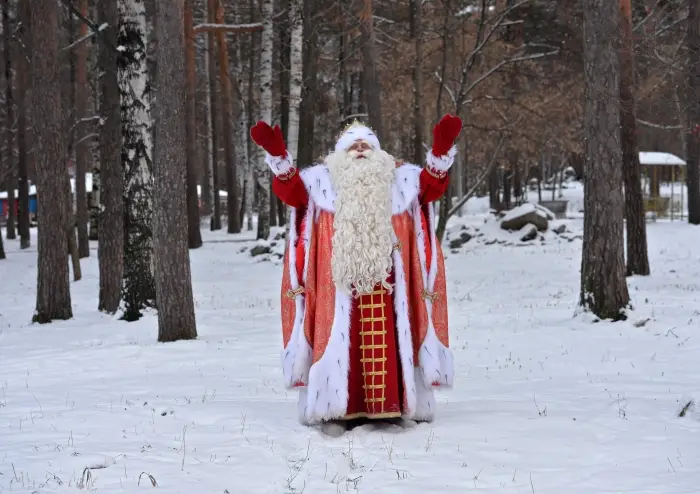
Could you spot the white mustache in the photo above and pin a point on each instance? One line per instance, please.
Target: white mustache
(354, 154)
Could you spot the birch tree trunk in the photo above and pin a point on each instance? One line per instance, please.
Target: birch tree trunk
(692, 99)
(603, 283)
(637, 256)
(138, 286)
(263, 172)
(296, 68)
(176, 319)
(53, 300)
(194, 237)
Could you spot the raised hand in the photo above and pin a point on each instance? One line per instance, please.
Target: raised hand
(271, 140)
(444, 134)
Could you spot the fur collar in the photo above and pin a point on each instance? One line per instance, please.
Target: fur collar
(404, 191)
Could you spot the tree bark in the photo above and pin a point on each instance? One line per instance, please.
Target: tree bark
(214, 114)
(263, 172)
(23, 82)
(82, 150)
(176, 319)
(637, 257)
(53, 300)
(692, 39)
(417, 35)
(9, 118)
(193, 222)
(371, 86)
(138, 284)
(227, 106)
(603, 283)
(307, 107)
(110, 248)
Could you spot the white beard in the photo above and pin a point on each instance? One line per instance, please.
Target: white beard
(362, 238)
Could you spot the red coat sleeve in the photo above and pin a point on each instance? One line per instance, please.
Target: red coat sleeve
(291, 190)
(432, 186)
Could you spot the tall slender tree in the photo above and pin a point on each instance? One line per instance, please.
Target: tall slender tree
(371, 86)
(110, 247)
(692, 87)
(193, 221)
(263, 172)
(83, 155)
(53, 300)
(176, 319)
(215, 123)
(23, 82)
(138, 287)
(637, 256)
(9, 117)
(603, 283)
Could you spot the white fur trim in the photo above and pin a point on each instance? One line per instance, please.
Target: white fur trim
(441, 163)
(403, 329)
(296, 356)
(327, 392)
(280, 165)
(425, 399)
(356, 133)
(404, 191)
(436, 360)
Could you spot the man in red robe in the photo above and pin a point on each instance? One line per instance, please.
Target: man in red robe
(364, 309)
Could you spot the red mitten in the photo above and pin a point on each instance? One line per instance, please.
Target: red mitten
(271, 140)
(444, 134)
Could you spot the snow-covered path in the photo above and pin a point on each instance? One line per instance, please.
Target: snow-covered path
(545, 402)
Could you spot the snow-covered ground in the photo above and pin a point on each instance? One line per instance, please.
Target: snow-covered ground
(545, 402)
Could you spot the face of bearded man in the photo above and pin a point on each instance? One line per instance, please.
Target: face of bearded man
(362, 240)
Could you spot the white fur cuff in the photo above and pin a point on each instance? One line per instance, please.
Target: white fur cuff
(441, 163)
(280, 165)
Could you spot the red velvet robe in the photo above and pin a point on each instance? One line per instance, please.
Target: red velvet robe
(375, 376)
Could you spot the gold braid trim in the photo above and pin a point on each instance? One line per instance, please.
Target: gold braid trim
(292, 293)
(432, 296)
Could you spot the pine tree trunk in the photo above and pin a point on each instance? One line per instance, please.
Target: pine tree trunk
(307, 107)
(82, 151)
(692, 39)
(110, 248)
(637, 257)
(228, 132)
(53, 300)
(214, 114)
(193, 222)
(176, 319)
(603, 283)
(208, 181)
(416, 34)
(241, 129)
(263, 172)
(138, 284)
(9, 119)
(23, 81)
(371, 86)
